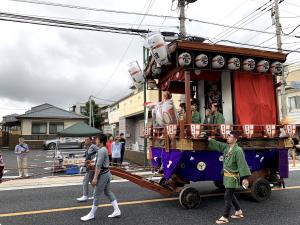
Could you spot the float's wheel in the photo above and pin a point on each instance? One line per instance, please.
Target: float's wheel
(261, 190)
(189, 198)
(220, 185)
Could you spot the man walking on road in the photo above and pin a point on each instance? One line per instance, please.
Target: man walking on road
(234, 168)
(21, 151)
(90, 153)
(123, 142)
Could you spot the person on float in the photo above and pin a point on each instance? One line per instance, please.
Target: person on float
(196, 116)
(235, 168)
(216, 117)
(101, 181)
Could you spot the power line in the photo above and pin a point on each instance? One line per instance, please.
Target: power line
(291, 31)
(141, 14)
(222, 34)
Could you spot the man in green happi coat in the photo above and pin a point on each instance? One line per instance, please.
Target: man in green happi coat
(196, 116)
(216, 117)
(235, 167)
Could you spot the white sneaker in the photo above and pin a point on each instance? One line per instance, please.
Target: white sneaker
(82, 199)
(88, 217)
(116, 213)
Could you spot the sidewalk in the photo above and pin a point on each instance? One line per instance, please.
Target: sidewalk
(56, 181)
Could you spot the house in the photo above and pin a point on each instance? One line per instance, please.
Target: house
(78, 108)
(46, 119)
(293, 97)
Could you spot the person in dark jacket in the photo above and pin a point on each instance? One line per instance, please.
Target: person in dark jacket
(1, 167)
(122, 140)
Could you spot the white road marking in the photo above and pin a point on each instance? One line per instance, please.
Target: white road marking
(58, 185)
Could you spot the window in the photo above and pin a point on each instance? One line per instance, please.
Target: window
(294, 102)
(39, 128)
(82, 109)
(55, 127)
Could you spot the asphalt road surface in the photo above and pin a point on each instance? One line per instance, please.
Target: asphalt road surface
(57, 206)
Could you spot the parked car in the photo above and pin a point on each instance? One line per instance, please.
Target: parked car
(64, 142)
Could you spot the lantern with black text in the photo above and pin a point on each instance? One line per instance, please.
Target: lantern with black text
(184, 59)
(158, 48)
(171, 130)
(218, 62)
(136, 73)
(270, 130)
(276, 68)
(201, 60)
(290, 129)
(248, 130)
(233, 63)
(248, 64)
(224, 130)
(263, 66)
(195, 130)
(147, 132)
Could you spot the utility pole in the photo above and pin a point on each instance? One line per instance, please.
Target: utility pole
(279, 47)
(181, 6)
(90, 110)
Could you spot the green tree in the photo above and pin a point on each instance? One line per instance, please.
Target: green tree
(95, 110)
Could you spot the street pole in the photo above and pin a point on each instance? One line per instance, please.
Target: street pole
(181, 5)
(90, 110)
(279, 48)
(145, 111)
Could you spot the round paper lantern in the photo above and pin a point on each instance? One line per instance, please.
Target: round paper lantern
(136, 73)
(184, 59)
(155, 69)
(263, 66)
(233, 63)
(201, 61)
(158, 48)
(218, 62)
(248, 64)
(276, 68)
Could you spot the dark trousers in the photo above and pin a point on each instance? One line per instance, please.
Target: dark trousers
(230, 200)
(116, 161)
(122, 155)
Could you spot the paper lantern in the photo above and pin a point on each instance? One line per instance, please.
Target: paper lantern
(276, 68)
(248, 64)
(195, 130)
(184, 59)
(270, 130)
(201, 61)
(248, 130)
(290, 129)
(233, 63)
(218, 62)
(158, 48)
(171, 130)
(263, 66)
(136, 73)
(225, 130)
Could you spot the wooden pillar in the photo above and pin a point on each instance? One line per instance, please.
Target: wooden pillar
(187, 80)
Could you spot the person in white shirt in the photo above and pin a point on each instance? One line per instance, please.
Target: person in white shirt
(116, 152)
(21, 151)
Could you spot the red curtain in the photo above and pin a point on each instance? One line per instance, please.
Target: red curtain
(254, 99)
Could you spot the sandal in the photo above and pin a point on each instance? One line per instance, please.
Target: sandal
(237, 216)
(222, 220)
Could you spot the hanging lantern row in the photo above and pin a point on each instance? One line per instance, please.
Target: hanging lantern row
(233, 63)
(136, 73)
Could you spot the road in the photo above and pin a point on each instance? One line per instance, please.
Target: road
(40, 160)
(57, 206)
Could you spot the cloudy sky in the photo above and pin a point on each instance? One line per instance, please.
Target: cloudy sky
(61, 66)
